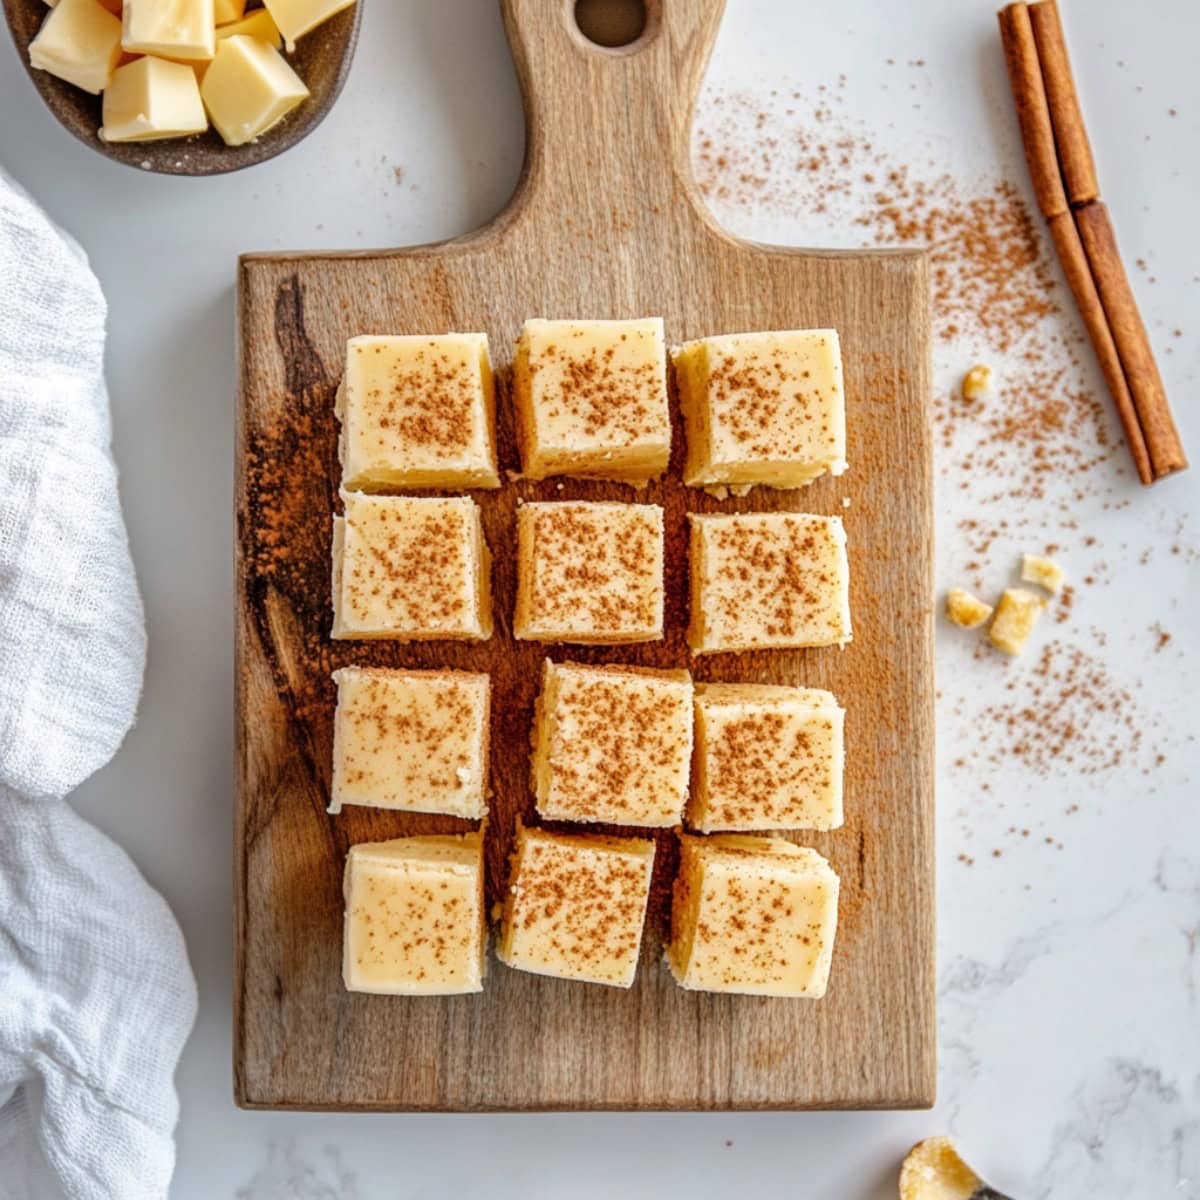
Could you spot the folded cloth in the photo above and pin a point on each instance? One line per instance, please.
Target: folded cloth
(96, 994)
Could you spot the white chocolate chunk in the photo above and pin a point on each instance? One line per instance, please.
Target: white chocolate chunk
(296, 17)
(249, 88)
(172, 28)
(151, 98)
(79, 41)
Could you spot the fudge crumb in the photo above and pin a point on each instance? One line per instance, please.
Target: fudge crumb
(1016, 615)
(965, 610)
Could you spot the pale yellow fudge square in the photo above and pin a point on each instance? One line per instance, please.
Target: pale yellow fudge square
(411, 740)
(752, 915)
(576, 905)
(612, 744)
(764, 580)
(79, 41)
(417, 412)
(763, 408)
(767, 757)
(249, 88)
(590, 573)
(150, 99)
(171, 28)
(591, 399)
(414, 923)
(410, 568)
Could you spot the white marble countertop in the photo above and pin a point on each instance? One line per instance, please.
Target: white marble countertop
(1070, 961)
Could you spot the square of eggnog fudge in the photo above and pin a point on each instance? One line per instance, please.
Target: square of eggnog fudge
(591, 399)
(410, 568)
(762, 408)
(589, 572)
(752, 915)
(414, 922)
(417, 412)
(411, 740)
(767, 757)
(763, 580)
(576, 905)
(612, 744)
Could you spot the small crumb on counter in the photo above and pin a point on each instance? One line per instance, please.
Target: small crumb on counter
(1016, 615)
(965, 610)
(1043, 572)
(977, 382)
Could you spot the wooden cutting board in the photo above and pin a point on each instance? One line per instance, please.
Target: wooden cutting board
(605, 223)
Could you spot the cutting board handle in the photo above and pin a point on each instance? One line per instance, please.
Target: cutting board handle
(607, 130)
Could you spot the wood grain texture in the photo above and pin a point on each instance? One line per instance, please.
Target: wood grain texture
(605, 223)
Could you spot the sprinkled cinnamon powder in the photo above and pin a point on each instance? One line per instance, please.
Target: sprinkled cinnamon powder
(590, 572)
(994, 285)
(1038, 459)
(576, 906)
(612, 744)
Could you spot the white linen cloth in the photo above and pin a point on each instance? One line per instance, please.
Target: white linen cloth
(96, 994)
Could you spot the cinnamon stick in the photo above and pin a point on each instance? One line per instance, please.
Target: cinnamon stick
(1074, 262)
(1033, 108)
(1064, 182)
(1070, 136)
(1132, 342)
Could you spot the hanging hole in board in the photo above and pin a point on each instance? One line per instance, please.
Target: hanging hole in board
(611, 23)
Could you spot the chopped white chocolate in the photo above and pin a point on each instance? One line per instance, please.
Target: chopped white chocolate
(976, 384)
(591, 399)
(417, 412)
(225, 11)
(295, 18)
(249, 88)
(753, 916)
(966, 610)
(171, 28)
(576, 905)
(410, 568)
(590, 573)
(763, 408)
(761, 580)
(1044, 572)
(411, 740)
(612, 744)
(256, 24)
(766, 757)
(414, 923)
(151, 98)
(1016, 615)
(79, 41)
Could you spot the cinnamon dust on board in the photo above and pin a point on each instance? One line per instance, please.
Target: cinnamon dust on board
(1026, 456)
